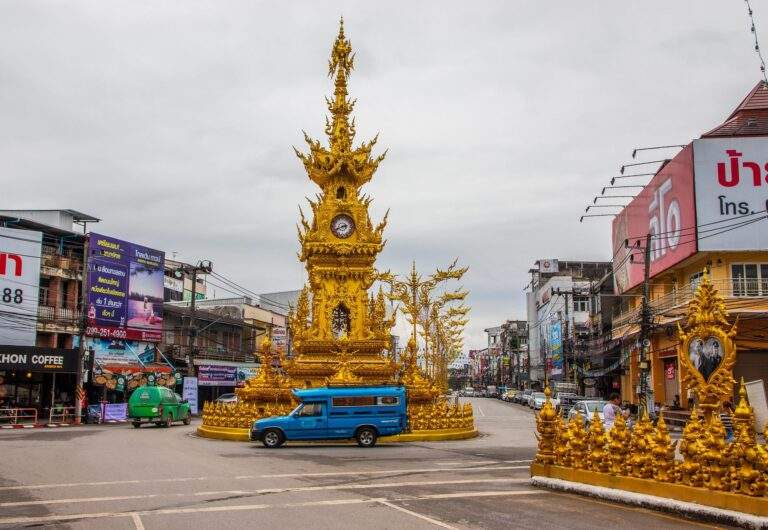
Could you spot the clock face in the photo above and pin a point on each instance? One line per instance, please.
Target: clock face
(342, 226)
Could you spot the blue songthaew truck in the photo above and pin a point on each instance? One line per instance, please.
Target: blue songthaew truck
(362, 413)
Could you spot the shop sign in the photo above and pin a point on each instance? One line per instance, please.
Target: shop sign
(19, 284)
(173, 284)
(37, 359)
(189, 392)
(664, 208)
(125, 290)
(216, 375)
(731, 187)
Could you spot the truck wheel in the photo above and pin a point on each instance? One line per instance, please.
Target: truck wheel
(187, 420)
(168, 421)
(272, 439)
(136, 424)
(366, 437)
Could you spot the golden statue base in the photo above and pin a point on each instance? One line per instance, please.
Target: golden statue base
(703, 496)
(440, 435)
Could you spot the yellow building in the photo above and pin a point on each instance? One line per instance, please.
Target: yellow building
(704, 209)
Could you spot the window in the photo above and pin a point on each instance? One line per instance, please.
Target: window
(749, 279)
(354, 401)
(388, 400)
(695, 280)
(581, 303)
(341, 193)
(340, 323)
(311, 409)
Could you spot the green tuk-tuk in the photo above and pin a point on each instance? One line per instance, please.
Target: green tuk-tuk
(158, 405)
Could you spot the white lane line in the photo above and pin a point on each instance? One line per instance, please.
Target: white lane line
(480, 410)
(334, 487)
(104, 483)
(245, 507)
(462, 463)
(380, 472)
(517, 461)
(137, 521)
(415, 514)
(246, 477)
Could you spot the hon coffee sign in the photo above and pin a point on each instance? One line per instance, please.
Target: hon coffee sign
(36, 359)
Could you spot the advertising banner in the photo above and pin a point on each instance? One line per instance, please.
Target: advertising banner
(216, 375)
(123, 365)
(556, 347)
(189, 392)
(278, 338)
(731, 191)
(114, 412)
(37, 359)
(548, 266)
(19, 285)
(125, 290)
(665, 209)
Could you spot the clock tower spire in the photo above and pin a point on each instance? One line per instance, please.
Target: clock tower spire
(339, 245)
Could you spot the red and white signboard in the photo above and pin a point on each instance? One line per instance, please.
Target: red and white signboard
(665, 209)
(731, 191)
(19, 285)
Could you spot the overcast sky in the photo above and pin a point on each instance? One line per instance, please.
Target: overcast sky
(173, 122)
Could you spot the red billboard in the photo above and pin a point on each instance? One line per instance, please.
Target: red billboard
(665, 208)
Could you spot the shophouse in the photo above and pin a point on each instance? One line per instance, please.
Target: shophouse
(559, 305)
(704, 209)
(41, 276)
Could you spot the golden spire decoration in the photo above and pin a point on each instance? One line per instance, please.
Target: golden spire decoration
(341, 159)
(708, 337)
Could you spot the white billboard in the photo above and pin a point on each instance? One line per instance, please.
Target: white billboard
(548, 266)
(731, 176)
(19, 285)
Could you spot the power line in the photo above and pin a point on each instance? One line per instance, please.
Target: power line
(753, 29)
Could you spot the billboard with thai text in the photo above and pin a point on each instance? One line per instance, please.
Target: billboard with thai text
(665, 209)
(556, 347)
(125, 290)
(19, 285)
(731, 193)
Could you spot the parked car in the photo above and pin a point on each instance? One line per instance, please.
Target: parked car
(522, 397)
(567, 401)
(587, 408)
(468, 392)
(536, 401)
(361, 413)
(510, 394)
(227, 398)
(158, 405)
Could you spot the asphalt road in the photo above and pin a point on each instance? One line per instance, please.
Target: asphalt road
(96, 477)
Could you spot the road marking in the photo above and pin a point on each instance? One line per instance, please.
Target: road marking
(245, 507)
(75, 500)
(380, 472)
(245, 477)
(517, 461)
(137, 521)
(480, 410)
(461, 463)
(420, 516)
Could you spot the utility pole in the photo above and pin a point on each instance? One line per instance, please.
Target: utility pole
(206, 267)
(645, 327)
(80, 374)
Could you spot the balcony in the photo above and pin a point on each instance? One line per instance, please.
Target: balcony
(741, 295)
(58, 319)
(180, 352)
(68, 266)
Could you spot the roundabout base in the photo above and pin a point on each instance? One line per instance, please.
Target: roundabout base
(241, 435)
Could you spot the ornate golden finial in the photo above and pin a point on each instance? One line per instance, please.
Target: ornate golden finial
(597, 458)
(547, 431)
(340, 161)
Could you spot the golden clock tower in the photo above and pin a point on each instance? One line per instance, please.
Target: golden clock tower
(339, 330)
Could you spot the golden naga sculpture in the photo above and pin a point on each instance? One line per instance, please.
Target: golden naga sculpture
(340, 329)
(645, 456)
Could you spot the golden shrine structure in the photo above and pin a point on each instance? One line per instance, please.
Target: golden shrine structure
(339, 328)
(703, 471)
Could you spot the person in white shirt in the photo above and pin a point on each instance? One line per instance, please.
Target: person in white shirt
(610, 410)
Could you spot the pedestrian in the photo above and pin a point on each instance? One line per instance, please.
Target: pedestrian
(610, 410)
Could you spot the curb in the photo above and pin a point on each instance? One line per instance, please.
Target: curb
(690, 510)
